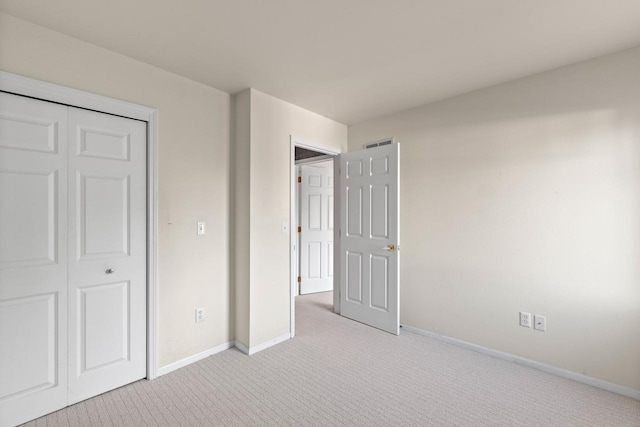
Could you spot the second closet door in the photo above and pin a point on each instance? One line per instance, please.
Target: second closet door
(106, 252)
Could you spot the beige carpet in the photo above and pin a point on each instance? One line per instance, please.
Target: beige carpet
(337, 372)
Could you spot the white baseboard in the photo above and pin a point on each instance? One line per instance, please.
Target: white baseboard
(256, 348)
(595, 382)
(191, 359)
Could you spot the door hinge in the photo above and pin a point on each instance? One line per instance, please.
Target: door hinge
(299, 229)
(299, 179)
(299, 279)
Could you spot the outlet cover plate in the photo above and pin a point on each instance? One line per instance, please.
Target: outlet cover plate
(525, 319)
(199, 314)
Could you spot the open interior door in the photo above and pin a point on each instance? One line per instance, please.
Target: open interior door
(370, 237)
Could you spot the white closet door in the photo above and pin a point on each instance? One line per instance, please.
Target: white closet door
(33, 258)
(107, 252)
(316, 236)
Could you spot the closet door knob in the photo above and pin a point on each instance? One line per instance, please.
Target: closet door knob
(109, 270)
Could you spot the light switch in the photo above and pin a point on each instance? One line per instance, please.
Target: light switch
(285, 227)
(201, 228)
(539, 323)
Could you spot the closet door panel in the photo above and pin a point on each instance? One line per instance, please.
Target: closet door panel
(33, 258)
(107, 252)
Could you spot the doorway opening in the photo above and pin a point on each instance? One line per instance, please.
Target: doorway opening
(314, 206)
(312, 222)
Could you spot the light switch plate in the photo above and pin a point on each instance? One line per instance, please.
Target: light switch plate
(539, 323)
(202, 228)
(285, 227)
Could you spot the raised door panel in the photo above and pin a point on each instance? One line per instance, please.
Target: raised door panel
(314, 180)
(314, 254)
(33, 344)
(379, 165)
(29, 218)
(354, 279)
(104, 211)
(103, 144)
(379, 282)
(353, 168)
(33, 258)
(104, 325)
(28, 130)
(379, 211)
(314, 203)
(354, 217)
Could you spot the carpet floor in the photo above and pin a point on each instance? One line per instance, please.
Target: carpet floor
(337, 372)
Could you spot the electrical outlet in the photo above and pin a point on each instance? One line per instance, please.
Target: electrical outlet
(525, 319)
(539, 323)
(199, 314)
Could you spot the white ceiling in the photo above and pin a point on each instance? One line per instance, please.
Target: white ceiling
(350, 60)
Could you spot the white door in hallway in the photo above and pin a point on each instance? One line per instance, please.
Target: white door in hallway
(370, 237)
(316, 235)
(33, 258)
(72, 255)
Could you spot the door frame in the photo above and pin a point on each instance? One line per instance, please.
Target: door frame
(293, 219)
(25, 86)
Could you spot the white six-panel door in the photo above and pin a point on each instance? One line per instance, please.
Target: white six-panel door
(33, 258)
(72, 255)
(107, 252)
(316, 236)
(369, 239)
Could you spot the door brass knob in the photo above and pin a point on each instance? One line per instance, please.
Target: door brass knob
(390, 248)
(109, 270)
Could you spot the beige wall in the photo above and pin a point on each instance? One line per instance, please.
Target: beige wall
(526, 197)
(193, 172)
(272, 122)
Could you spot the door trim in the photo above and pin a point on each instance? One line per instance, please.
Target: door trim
(25, 86)
(293, 220)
